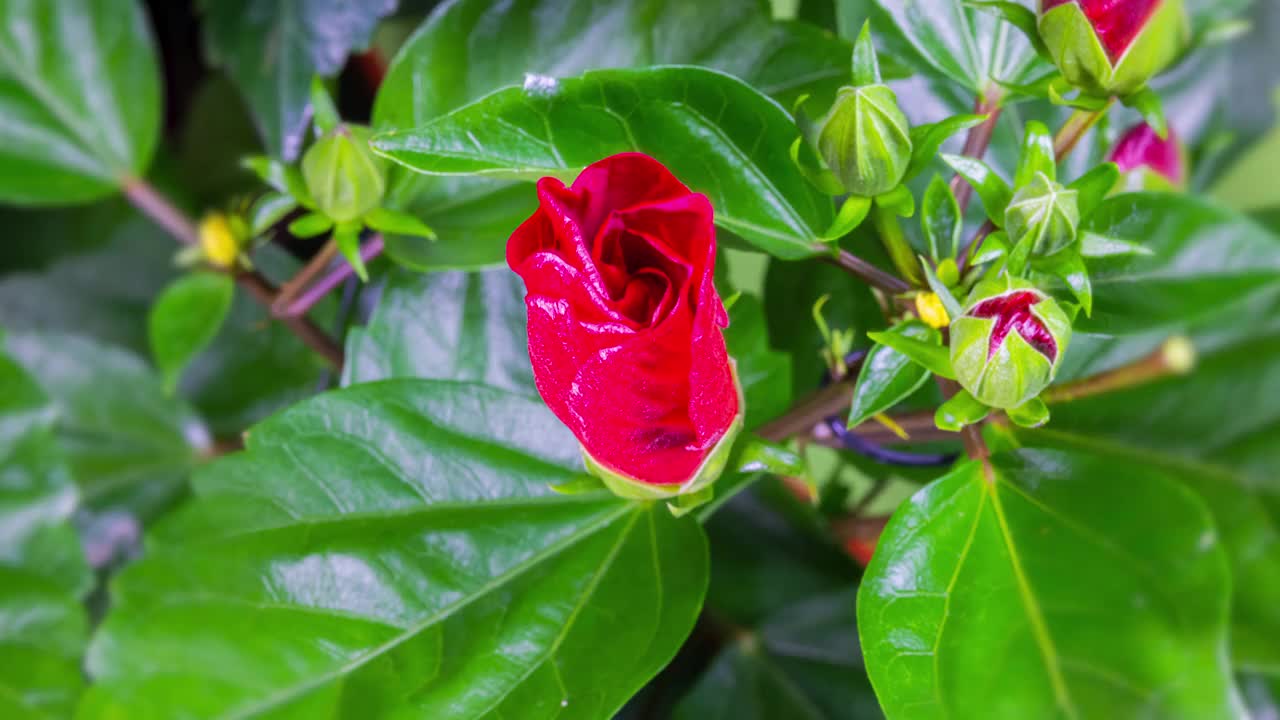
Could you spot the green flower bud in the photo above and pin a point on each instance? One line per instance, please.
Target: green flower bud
(345, 178)
(1009, 342)
(866, 140)
(1045, 212)
(1111, 48)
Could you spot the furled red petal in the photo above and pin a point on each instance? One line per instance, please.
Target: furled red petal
(1117, 22)
(1142, 147)
(624, 319)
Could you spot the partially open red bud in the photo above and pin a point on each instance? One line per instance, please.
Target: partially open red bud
(1113, 47)
(1009, 342)
(1149, 162)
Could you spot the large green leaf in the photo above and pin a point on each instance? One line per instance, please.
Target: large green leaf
(472, 216)
(1040, 592)
(128, 444)
(451, 326)
(801, 664)
(393, 548)
(970, 46)
(79, 98)
(716, 133)
(273, 48)
(43, 575)
(1203, 258)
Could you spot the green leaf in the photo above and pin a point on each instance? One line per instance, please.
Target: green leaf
(1094, 186)
(959, 412)
(399, 223)
(185, 319)
(1020, 17)
(852, 212)
(888, 377)
(927, 139)
(282, 176)
(941, 219)
(934, 358)
(763, 372)
(993, 189)
(323, 112)
(866, 68)
(409, 555)
(129, 445)
(268, 210)
(474, 216)
(717, 134)
(79, 99)
(1069, 267)
(1147, 103)
(43, 574)
(952, 40)
(347, 238)
(1038, 155)
(1039, 592)
(803, 664)
(450, 325)
(1203, 257)
(310, 225)
(308, 38)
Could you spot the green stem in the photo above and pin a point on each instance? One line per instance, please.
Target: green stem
(1075, 128)
(896, 244)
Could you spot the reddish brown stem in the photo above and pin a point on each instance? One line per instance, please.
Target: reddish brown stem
(1175, 356)
(868, 273)
(976, 144)
(163, 213)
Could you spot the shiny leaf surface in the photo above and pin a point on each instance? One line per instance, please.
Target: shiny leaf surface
(1038, 592)
(410, 558)
(888, 377)
(718, 135)
(43, 575)
(79, 98)
(308, 38)
(185, 319)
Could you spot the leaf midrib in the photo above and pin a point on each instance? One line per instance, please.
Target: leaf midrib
(300, 689)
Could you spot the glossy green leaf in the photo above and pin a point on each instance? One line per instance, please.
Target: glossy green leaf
(991, 188)
(79, 99)
(1203, 257)
(950, 39)
(941, 219)
(718, 135)
(308, 38)
(43, 574)
(1038, 156)
(474, 216)
(888, 377)
(1094, 186)
(450, 326)
(185, 319)
(129, 445)
(934, 358)
(1039, 592)
(927, 139)
(389, 221)
(409, 557)
(803, 663)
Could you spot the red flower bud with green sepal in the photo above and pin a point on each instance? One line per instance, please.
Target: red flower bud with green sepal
(1009, 342)
(1149, 162)
(625, 325)
(1113, 47)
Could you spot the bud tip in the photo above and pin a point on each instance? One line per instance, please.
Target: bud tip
(1179, 354)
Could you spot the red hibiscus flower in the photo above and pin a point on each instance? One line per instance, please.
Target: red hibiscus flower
(625, 321)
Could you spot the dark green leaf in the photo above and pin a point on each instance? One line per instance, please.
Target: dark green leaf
(802, 664)
(128, 444)
(305, 37)
(43, 574)
(941, 219)
(400, 542)
(79, 99)
(765, 374)
(1040, 592)
(474, 216)
(889, 377)
(451, 326)
(1203, 258)
(716, 134)
(185, 319)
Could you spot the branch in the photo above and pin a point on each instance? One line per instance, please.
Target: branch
(163, 213)
(975, 145)
(307, 299)
(1175, 356)
(808, 417)
(868, 273)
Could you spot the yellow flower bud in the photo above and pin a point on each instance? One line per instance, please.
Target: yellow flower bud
(218, 240)
(931, 310)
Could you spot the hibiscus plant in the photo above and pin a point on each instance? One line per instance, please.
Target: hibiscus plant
(591, 359)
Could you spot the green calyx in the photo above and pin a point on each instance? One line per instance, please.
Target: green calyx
(1075, 48)
(343, 175)
(865, 140)
(1043, 214)
(1017, 371)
